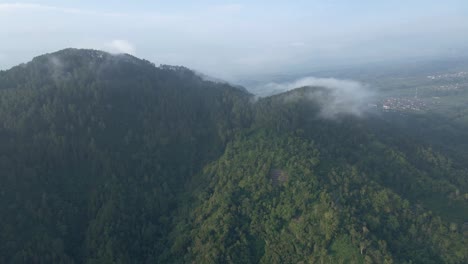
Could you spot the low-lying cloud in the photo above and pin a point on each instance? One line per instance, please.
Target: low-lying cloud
(334, 96)
(120, 46)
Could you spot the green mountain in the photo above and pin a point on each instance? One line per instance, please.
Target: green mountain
(110, 159)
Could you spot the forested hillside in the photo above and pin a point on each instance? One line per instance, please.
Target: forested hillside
(110, 159)
(325, 211)
(96, 148)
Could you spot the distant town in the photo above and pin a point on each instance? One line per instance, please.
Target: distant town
(461, 74)
(451, 82)
(403, 104)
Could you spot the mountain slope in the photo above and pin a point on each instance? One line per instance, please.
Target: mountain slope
(92, 140)
(109, 159)
(324, 211)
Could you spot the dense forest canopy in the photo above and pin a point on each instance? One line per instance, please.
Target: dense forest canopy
(110, 159)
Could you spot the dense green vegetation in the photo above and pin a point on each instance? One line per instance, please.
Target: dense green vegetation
(326, 211)
(109, 159)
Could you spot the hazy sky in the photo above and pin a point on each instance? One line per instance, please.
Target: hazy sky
(235, 38)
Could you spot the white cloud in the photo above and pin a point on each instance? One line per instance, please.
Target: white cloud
(9, 7)
(17, 6)
(120, 46)
(335, 96)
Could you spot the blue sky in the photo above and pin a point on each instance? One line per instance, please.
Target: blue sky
(238, 38)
